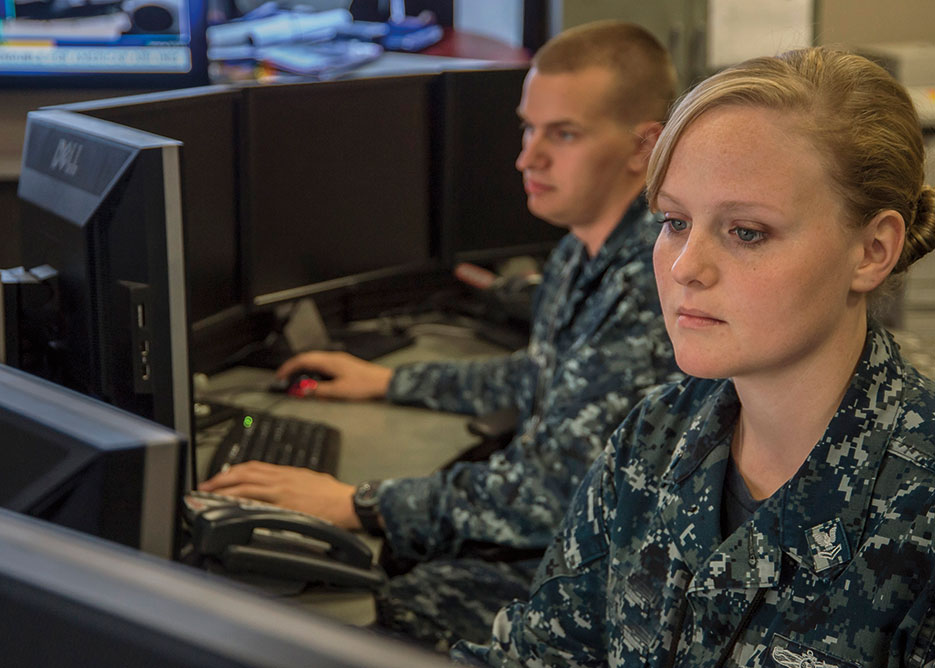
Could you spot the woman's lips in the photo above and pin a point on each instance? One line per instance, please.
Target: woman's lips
(694, 319)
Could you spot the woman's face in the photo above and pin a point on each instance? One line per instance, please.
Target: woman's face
(755, 259)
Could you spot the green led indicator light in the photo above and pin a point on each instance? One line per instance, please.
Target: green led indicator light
(247, 421)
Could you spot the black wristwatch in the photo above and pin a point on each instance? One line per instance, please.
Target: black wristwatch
(367, 506)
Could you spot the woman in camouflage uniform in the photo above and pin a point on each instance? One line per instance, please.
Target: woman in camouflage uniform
(779, 508)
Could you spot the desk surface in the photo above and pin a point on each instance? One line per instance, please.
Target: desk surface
(461, 44)
(378, 440)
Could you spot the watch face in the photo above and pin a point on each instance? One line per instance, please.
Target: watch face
(366, 494)
(365, 505)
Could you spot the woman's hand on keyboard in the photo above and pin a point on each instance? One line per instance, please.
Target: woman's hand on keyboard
(318, 494)
(350, 377)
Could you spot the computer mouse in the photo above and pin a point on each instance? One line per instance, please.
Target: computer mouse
(297, 384)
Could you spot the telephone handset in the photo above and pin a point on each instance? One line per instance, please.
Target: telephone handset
(252, 537)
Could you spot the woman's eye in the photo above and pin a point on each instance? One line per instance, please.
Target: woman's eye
(675, 224)
(748, 236)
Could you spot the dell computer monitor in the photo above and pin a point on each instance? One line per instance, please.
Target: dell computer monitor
(83, 464)
(103, 43)
(338, 192)
(104, 211)
(481, 205)
(72, 600)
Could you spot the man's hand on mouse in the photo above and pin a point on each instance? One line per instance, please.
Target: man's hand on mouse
(343, 376)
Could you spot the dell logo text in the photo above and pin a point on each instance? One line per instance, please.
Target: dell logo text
(66, 156)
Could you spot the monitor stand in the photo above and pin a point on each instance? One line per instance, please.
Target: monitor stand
(365, 344)
(305, 330)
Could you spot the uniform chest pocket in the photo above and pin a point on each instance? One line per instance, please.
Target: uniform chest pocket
(642, 599)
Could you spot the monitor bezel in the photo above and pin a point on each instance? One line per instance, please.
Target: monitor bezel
(77, 579)
(219, 334)
(91, 432)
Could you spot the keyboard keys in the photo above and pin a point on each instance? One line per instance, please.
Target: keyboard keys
(278, 440)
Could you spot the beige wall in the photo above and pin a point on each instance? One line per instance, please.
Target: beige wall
(863, 21)
(839, 21)
(679, 24)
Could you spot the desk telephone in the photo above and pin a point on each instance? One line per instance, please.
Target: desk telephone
(258, 538)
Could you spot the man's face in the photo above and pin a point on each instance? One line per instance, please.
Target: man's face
(576, 155)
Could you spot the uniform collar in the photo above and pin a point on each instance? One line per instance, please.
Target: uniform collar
(634, 232)
(629, 243)
(818, 516)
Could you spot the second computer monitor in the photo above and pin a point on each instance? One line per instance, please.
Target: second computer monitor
(205, 120)
(339, 184)
(71, 600)
(481, 204)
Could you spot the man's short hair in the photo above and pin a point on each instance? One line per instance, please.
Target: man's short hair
(644, 75)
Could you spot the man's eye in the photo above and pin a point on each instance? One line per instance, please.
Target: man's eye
(565, 135)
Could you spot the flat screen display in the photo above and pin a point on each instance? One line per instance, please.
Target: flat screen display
(482, 206)
(338, 187)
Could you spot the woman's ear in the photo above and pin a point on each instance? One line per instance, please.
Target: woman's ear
(882, 245)
(646, 135)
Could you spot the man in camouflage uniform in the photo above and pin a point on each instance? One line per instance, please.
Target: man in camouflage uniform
(834, 571)
(591, 109)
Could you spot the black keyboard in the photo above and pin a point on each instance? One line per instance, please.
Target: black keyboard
(277, 440)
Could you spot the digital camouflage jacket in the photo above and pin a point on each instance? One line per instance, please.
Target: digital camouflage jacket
(834, 569)
(597, 344)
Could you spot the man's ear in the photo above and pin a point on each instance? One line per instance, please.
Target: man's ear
(882, 245)
(646, 134)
